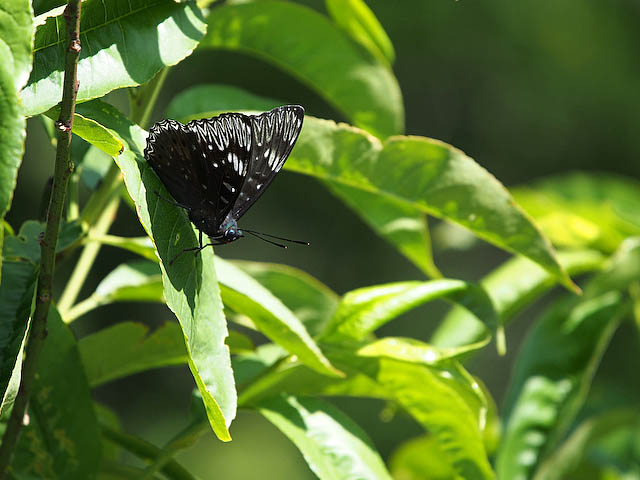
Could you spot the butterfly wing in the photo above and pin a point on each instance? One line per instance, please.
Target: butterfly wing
(273, 135)
(204, 163)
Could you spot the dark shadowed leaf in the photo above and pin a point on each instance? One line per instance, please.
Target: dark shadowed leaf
(317, 53)
(127, 348)
(567, 460)
(203, 101)
(62, 440)
(26, 244)
(16, 302)
(122, 46)
(332, 444)
(557, 362)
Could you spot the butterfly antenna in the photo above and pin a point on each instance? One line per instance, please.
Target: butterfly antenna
(265, 239)
(301, 242)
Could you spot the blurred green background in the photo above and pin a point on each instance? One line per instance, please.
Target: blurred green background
(528, 89)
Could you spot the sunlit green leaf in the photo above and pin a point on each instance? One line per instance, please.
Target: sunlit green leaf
(584, 210)
(16, 42)
(332, 444)
(190, 284)
(364, 310)
(415, 351)
(444, 399)
(62, 439)
(245, 295)
(122, 46)
(355, 18)
(429, 175)
(512, 286)
(317, 53)
(420, 459)
(92, 132)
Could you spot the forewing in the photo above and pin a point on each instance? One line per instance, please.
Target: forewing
(273, 135)
(224, 143)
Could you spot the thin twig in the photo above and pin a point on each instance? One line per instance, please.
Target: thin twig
(62, 172)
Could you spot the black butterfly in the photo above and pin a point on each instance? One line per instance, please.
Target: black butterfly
(216, 168)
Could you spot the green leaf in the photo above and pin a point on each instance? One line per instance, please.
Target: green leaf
(92, 132)
(583, 210)
(420, 459)
(245, 295)
(415, 351)
(16, 304)
(127, 348)
(355, 18)
(364, 310)
(139, 281)
(430, 176)
(312, 302)
(332, 444)
(565, 460)
(402, 225)
(552, 377)
(190, 284)
(208, 100)
(512, 286)
(16, 42)
(316, 53)
(122, 46)
(438, 400)
(62, 439)
(26, 245)
(139, 245)
(444, 399)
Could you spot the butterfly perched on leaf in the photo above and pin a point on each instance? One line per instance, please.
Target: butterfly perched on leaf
(217, 168)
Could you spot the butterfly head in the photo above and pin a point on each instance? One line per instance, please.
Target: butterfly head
(232, 232)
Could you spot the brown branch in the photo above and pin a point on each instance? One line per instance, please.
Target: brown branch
(62, 172)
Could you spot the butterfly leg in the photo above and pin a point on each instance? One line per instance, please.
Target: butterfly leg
(171, 201)
(195, 250)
